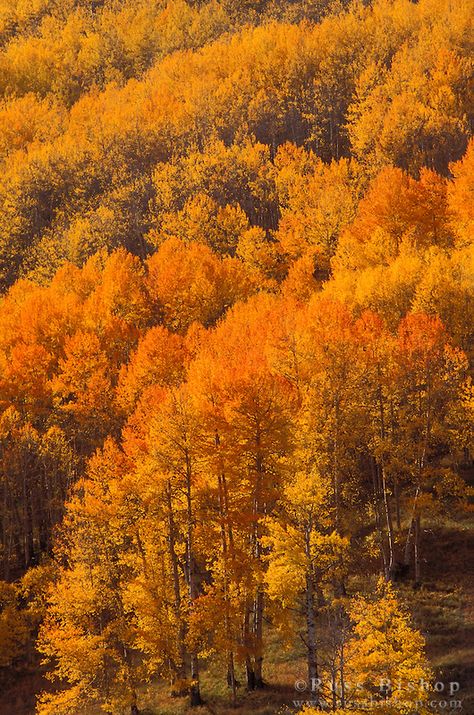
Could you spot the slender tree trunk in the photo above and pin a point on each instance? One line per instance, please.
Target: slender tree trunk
(342, 675)
(340, 585)
(386, 501)
(249, 670)
(378, 520)
(388, 518)
(229, 525)
(335, 470)
(249, 673)
(411, 529)
(259, 596)
(26, 523)
(195, 699)
(408, 542)
(223, 519)
(417, 549)
(312, 661)
(258, 629)
(414, 530)
(231, 677)
(397, 504)
(396, 484)
(181, 669)
(333, 686)
(194, 693)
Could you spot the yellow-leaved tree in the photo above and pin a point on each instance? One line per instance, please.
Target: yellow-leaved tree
(384, 665)
(89, 634)
(305, 558)
(386, 658)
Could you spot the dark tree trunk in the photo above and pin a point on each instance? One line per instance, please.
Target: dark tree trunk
(231, 680)
(181, 669)
(259, 639)
(311, 626)
(194, 691)
(250, 674)
(195, 699)
(417, 550)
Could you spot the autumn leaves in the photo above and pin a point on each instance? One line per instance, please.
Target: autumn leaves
(234, 336)
(95, 107)
(259, 418)
(244, 492)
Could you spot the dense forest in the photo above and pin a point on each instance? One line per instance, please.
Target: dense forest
(236, 343)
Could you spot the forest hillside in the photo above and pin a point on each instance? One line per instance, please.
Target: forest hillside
(236, 352)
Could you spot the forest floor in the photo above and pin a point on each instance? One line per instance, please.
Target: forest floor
(443, 609)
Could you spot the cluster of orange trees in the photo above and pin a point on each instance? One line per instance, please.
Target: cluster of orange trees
(237, 262)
